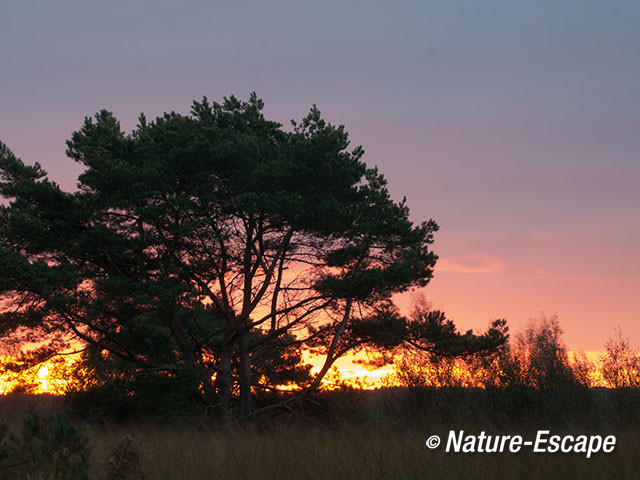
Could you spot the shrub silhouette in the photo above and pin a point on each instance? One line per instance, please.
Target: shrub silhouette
(542, 355)
(621, 363)
(621, 371)
(53, 449)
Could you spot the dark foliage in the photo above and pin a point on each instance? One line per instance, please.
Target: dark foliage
(214, 244)
(52, 448)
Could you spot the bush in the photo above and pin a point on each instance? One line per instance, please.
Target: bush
(48, 449)
(145, 396)
(621, 370)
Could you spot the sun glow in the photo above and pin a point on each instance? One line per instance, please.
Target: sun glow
(55, 376)
(61, 374)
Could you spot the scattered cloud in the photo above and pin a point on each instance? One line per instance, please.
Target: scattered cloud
(471, 264)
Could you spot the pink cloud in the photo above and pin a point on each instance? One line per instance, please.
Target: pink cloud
(471, 264)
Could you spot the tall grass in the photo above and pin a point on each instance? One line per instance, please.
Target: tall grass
(383, 451)
(370, 434)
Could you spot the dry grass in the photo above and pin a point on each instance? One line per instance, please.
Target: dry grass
(365, 444)
(298, 452)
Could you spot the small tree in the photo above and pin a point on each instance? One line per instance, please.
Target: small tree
(45, 448)
(536, 358)
(620, 363)
(544, 353)
(583, 369)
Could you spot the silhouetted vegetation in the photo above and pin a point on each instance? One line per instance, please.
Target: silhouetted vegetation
(214, 246)
(531, 379)
(528, 381)
(200, 258)
(427, 394)
(53, 448)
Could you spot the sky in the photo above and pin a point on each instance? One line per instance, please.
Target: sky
(514, 125)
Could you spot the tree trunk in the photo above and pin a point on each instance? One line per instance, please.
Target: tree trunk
(207, 394)
(244, 373)
(331, 353)
(223, 378)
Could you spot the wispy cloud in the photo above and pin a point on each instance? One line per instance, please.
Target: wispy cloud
(471, 264)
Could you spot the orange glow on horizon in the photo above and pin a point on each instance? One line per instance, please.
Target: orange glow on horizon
(55, 376)
(62, 374)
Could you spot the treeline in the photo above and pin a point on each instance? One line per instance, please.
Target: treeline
(530, 382)
(535, 358)
(533, 378)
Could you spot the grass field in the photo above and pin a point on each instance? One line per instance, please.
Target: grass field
(385, 452)
(357, 435)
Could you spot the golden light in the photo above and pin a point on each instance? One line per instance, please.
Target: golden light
(65, 373)
(56, 376)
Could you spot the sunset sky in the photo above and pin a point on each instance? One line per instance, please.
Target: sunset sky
(515, 126)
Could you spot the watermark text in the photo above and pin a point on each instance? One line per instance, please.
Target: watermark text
(544, 442)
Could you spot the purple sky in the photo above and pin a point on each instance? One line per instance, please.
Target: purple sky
(516, 127)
